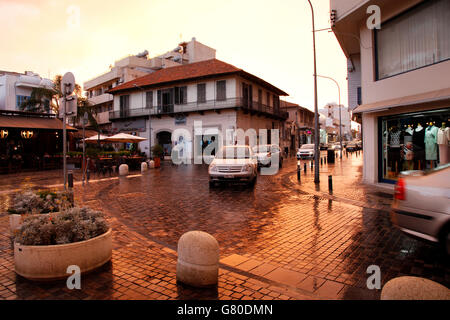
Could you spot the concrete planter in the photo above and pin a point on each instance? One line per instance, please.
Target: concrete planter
(16, 220)
(51, 262)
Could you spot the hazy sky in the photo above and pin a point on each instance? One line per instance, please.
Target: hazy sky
(270, 39)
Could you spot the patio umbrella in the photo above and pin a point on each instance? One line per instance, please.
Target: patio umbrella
(125, 138)
(95, 138)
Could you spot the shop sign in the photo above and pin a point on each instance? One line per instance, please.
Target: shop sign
(127, 126)
(3, 134)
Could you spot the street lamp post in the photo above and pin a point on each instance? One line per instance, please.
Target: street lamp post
(316, 112)
(149, 122)
(340, 120)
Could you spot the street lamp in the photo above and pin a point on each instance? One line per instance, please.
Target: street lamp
(149, 121)
(316, 112)
(340, 120)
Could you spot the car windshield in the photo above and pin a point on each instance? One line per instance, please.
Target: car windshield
(307, 146)
(234, 153)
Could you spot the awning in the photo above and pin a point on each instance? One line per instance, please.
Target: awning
(32, 123)
(438, 95)
(88, 133)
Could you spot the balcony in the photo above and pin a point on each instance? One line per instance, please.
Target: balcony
(102, 98)
(215, 105)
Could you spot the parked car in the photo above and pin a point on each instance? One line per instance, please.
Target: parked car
(359, 144)
(234, 163)
(421, 206)
(306, 151)
(351, 146)
(323, 146)
(337, 146)
(264, 153)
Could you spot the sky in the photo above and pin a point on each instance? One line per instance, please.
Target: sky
(270, 39)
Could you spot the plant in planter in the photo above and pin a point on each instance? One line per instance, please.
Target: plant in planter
(46, 245)
(158, 152)
(41, 202)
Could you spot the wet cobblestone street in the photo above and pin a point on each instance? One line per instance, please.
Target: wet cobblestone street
(279, 240)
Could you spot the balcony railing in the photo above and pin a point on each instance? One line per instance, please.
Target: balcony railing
(170, 109)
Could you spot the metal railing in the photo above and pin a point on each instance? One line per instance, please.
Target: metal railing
(168, 109)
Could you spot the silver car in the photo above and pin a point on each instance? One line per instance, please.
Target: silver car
(306, 151)
(234, 163)
(421, 206)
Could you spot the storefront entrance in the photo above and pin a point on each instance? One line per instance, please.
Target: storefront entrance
(413, 141)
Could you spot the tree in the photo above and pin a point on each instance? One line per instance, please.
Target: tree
(40, 100)
(39, 96)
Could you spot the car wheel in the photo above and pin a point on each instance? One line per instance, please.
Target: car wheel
(253, 182)
(212, 184)
(281, 163)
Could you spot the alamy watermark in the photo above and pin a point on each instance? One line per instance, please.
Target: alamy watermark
(74, 280)
(374, 20)
(374, 280)
(206, 143)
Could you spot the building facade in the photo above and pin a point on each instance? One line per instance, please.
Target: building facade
(217, 95)
(404, 87)
(135, 66)
(337, 116)
(28, 140)
(300, 125)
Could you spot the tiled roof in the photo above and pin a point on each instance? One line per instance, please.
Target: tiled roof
(192, 71)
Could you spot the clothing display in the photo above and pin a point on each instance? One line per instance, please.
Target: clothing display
(431, 143)
(419, 146)
(413, 141)
(443, 139)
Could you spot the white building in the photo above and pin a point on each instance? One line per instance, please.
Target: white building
(15, 88)
(218, 94)
(334, 120)
(399, 80)
(135, 66)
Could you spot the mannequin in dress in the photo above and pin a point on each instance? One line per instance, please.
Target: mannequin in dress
(431, 144)
(395, 139)
(419, 146)
(443, 138)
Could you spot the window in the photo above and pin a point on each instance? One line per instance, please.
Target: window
(124, 105)
(201, 92)
(260, 98)
(359, 96)
(221, 93)
(417, 38)
(181, 95)
(149, 99)
(20, 100)
(412, 142)
(268, 99)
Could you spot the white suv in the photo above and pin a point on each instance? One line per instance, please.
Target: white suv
(233, 163)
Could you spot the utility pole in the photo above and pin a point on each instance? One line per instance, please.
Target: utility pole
(316, 111)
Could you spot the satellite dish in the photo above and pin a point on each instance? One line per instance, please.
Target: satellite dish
(68, 83)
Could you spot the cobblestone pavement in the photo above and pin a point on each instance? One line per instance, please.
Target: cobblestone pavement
(281, 240)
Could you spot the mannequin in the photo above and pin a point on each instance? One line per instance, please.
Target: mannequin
(409, 130)
(395, 136)
(443, 138)
(431, 143)
(419, 146)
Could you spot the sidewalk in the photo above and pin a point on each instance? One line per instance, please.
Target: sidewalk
(347, 183)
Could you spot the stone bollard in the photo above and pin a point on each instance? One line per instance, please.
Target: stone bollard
(123, 170)
(198, 259)
(414, 288)
(151, 164)
(144, 166)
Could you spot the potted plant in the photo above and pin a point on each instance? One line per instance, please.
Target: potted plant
(45, 246)
(34, 203)
(158, 152)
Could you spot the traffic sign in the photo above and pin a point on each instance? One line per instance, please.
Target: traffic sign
(68, 83)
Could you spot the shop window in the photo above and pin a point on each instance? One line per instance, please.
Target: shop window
(415, 141)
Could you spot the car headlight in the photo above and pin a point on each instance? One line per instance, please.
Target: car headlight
(213, 168)
(247, 168)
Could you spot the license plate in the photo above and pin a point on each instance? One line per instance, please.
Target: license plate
(229, 177)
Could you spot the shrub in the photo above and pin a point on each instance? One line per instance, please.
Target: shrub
(157, 151)
(44, 201)
(73, 225)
